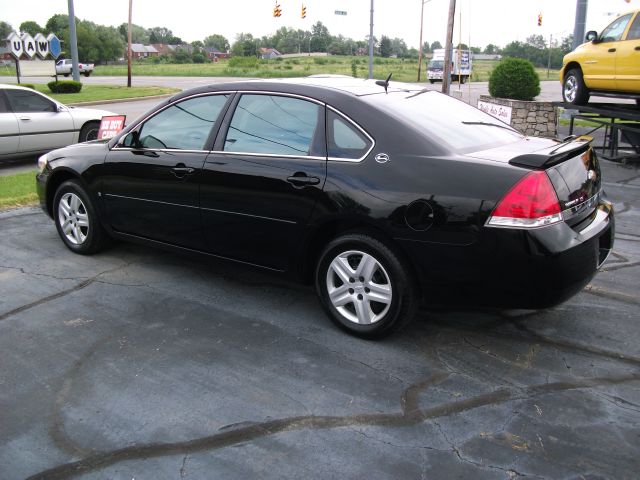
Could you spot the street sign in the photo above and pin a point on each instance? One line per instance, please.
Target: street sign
(15, 45)
(29, 45)
(55, 49)
(42, 45)
(341, 12)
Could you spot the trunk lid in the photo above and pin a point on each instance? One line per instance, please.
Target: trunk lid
(572, 167)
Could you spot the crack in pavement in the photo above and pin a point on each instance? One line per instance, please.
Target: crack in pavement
(63, 293)
(410, 415)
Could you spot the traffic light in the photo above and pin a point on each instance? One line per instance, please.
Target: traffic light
(303, 13)
(277, 11)
(539, 19)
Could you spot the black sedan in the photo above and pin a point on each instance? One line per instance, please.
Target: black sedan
(383, 194)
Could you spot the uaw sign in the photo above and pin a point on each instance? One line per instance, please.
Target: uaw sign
(38, 46)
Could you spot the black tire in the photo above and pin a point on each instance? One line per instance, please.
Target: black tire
(574, 90)
(66, 74)
(388, 273)
(77, 221)
(463, 79)
(432, 81)
(86, 74)
(89, 131)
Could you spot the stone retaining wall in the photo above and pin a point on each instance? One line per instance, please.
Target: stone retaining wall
(531, 118)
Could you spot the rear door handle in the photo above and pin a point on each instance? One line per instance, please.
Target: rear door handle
(181, 171)
(611, 50)
(303, 180)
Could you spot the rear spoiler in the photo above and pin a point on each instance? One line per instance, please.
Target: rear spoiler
(569, 148)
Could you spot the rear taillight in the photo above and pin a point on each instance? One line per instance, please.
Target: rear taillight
(531, 203)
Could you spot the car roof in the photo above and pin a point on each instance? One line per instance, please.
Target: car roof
(320, 85)
(15, 87)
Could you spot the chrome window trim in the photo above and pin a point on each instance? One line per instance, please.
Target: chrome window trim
(135, 125)
(165, 150)
(271, 155)
(362, 130)
(281, 94)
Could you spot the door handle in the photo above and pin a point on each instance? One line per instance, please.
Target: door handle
(180, 171)
(25, 119)
(302, 180)
(611, 50)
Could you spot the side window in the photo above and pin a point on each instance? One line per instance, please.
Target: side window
(344, 140)
(634, 31)
(614, 32)
(275, 125)
(4, 108)
(183, 126)
(25, 101)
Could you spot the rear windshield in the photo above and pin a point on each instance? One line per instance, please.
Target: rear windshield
(458, 127)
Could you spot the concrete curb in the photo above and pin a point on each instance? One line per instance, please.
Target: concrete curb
(121, 100)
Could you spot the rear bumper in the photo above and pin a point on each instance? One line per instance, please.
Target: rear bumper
(512, 268)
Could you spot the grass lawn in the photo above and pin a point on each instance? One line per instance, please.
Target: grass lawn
(404, 70)
(18, 190)
(93, 93)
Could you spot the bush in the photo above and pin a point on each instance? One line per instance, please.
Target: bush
(320, 61)
(28, 85)
(514, 78)
(243, 62)
(65, 86)
(198, 58)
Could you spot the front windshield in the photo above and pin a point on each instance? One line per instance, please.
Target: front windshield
(459, 127)
(435, 64)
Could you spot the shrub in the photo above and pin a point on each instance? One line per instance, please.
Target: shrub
(198, 58)
(320, 61)
(65, 86)
(514, 78)
(28, 85)
(243, 62)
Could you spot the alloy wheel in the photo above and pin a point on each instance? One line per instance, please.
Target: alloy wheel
(73, 218)
(359, 287)
(570, 88)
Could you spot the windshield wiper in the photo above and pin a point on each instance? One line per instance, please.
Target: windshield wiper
(489, 124)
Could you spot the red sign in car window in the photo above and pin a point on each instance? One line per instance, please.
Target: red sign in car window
(111, 125)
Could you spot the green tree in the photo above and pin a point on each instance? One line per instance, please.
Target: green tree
(426, 48)
(491, 49)
(163, 35)
(5, 29)
(217, 41)
(385, 46)
(566, 45)
(31, 28)
(321, 37)
(138, 34)
(399, 47)
(58, 24)
(435, 45)
(245, 45)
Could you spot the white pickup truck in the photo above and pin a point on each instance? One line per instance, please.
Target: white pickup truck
(63, 67)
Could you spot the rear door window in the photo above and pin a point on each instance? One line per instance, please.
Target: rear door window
(275, 125)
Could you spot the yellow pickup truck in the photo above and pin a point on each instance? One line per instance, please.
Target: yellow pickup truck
(607, 65)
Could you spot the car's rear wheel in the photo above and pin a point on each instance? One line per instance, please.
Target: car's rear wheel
(573, 88)
(89, 132)
(364, 286)
(76, 219)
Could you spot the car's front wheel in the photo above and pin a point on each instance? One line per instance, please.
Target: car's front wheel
(364, 286)
(89, 132)
(573, 88)
(76, 219)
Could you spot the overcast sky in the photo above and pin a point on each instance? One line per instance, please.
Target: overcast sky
(481, 21)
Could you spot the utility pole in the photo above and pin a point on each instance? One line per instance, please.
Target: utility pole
(581, 20)
(549, 61)
(446, 74)
(371, 43)
(420, 47)
(73, 40)
(129, 45)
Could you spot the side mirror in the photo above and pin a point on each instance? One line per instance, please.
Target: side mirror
(61, 108)
(591, 36)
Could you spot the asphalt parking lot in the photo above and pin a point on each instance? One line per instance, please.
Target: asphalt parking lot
(137, 363)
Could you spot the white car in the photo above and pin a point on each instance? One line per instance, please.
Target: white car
(32, 123)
